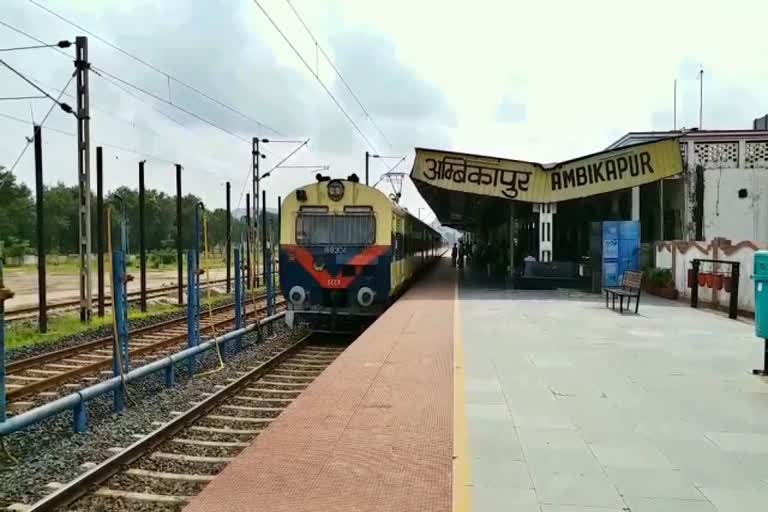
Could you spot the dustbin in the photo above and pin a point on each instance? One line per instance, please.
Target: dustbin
(760, 276)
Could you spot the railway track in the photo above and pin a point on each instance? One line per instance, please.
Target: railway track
(28, 312)
(164, 469)
(35, 379)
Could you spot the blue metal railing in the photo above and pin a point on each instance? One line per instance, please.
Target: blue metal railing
(78, 401)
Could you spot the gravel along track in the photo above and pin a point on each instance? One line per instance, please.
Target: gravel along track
(164, 470)
(51, 452)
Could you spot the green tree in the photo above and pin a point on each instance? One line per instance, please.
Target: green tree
(61, 226)
(17, 209)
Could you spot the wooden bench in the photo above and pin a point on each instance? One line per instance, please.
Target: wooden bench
(630, 287)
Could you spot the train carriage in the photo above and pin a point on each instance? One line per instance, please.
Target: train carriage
(347, 251)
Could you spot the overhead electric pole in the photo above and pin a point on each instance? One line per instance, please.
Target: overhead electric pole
(83, 175)
(256, 157)
(40, 210)
(229, 238)
(142, 241)
(179, 262)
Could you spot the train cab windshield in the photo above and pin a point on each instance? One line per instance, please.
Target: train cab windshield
(351, 228)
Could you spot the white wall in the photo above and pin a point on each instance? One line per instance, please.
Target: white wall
(679, 256)
(725, 214)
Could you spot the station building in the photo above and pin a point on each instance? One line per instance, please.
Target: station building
(692, 185)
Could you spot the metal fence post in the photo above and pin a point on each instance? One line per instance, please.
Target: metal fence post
(695, 285)
(80, 417)
(120, 361)
(238, 298)
(733, 305)
(193, 327)
(5, 294)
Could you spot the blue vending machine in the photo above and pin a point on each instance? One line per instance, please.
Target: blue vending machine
(621, 250)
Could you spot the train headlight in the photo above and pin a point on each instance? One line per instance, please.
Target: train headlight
(335, 190)
(297, 295)
(365, 296)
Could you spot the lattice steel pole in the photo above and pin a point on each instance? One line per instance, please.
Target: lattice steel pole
(83, 175)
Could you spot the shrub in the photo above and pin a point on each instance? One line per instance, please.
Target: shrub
(660, 278)
(161, 258)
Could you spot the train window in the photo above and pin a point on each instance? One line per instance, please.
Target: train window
(314, 209)
(357, 229)
(358, 209)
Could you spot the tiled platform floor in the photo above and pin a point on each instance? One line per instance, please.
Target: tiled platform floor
(372, 433)
(574, 408)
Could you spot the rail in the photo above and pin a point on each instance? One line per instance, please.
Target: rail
(89, 481)
(77, 401)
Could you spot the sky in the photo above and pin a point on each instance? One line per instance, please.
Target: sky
(541, 81)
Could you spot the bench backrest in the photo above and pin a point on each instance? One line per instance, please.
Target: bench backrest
(632, 279)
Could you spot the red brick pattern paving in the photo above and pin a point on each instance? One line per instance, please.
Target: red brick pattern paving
(372, 433)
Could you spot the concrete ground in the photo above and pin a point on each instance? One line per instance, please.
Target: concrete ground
(572, 407)
(62, 287)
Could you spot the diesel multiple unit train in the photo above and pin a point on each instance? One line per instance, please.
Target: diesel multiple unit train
(346, 252)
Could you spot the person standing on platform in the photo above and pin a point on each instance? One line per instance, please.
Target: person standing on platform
(454, 254)
(461, 255)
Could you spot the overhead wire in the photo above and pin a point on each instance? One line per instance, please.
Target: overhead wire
(338, 73)
(156, 69)
(148, 156)
(64, 106)
(322, 84)
(30, 36)
(56, 102)
(103, 73)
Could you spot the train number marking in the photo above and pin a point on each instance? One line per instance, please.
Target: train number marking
(335, 250)
(334, 282)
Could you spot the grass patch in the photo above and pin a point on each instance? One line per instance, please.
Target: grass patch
(24, 333)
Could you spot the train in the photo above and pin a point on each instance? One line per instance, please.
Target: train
(347, 251)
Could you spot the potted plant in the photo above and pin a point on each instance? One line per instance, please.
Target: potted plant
(661, 283)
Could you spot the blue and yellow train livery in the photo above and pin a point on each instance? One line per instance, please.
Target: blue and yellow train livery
(346, 252)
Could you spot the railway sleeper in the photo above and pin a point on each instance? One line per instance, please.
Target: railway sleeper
(141, 496)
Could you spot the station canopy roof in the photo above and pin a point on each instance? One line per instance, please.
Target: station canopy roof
(461, 188)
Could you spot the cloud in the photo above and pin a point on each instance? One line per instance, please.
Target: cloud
(388, 88)
(511, 112)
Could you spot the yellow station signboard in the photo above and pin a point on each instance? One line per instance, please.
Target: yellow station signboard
(531, 182)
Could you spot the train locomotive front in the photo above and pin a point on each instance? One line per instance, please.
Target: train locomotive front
(338, 253)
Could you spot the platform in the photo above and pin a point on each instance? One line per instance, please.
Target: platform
(572, 407)
(545, 400)
(372, 433)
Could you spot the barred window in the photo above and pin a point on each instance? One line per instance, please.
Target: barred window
(312, 229)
